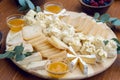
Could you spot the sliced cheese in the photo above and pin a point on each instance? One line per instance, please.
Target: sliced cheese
(34, 57)
(57, 43)
(37, 65)
(14, 38)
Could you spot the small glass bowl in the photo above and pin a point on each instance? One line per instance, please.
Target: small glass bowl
(90, 10)
(15, 22)
(53, 7)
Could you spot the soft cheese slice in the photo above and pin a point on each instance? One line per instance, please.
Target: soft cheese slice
(89, 59)
(73, 64)
(15, 38)
(61, 56)
(34, 57)
(57, 43)
(94, 30)
(37, 65)
(27, 47)
(81, 21)
(30, 32)
(83, 66)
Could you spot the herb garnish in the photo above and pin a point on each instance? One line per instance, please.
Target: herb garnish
(117, 42)
(16, 53)
(105, 18)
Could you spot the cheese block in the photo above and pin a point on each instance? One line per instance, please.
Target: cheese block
(30, 32)
(37, 65)
(34, 57)
(15, 38)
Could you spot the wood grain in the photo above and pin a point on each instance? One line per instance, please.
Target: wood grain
(9, 71)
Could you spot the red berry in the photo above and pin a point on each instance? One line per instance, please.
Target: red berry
(94, 4)
(92, 1)
(101, 2)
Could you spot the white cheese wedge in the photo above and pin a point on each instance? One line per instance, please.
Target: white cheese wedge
(83, 66)
(73, 64)
(37, 65)
(34, 57)
(15, 38)
(89, 59)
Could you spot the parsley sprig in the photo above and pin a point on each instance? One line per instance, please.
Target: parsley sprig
(16, 53)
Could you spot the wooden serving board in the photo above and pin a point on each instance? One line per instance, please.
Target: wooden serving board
(76, 74)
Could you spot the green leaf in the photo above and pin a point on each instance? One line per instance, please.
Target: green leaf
(11, 55)
(22, 8)
(118, 44)
(96, 15)
(112, 19)
(116, 40)
(104, 18)
(38, 9)
(2, 56)
(28, 54)
(22, 2)
(116, 23)
(105, 42)
(19, 57)
(19, 49)
(30, 4)
(118, 51)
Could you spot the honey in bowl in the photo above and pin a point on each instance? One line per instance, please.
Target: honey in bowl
(15, 22)
(57, 68)
(53, 7)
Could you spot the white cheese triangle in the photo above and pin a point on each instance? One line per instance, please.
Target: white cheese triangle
(83, 66)
(37, 65)
(89, 59)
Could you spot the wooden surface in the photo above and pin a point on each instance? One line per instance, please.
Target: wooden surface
(9, 71)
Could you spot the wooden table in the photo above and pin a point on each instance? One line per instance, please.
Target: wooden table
(9, 71)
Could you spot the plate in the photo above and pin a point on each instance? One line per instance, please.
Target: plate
(76, 74)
